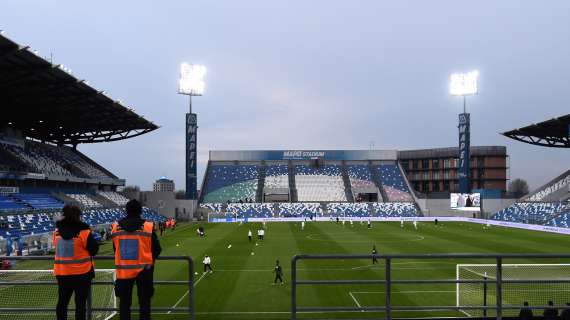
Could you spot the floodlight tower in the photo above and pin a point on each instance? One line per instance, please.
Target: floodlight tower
(464, 84)
(191, 83)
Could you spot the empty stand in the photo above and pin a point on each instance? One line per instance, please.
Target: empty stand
(287, 210)
(395, 209)
(394, 183)
(349, 209)
(532, 212)
(114, 197)
(319, 183)
(231, 183)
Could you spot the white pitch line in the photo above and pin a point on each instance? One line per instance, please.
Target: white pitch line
(411, 291)
(187, 292)
(355, 301)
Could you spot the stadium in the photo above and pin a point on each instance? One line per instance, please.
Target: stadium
(450, 239)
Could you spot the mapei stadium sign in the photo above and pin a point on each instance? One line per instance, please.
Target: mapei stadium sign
(464, 154)
(303, 155)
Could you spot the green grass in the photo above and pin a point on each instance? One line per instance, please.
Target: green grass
(241, 285)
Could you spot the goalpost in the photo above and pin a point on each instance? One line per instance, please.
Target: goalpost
(513, 294)
(45, 296)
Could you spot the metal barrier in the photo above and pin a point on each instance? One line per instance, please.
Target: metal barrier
(190, 283)
(388, 308)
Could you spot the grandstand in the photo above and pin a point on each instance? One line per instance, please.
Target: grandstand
(47, 113)
(549, 204)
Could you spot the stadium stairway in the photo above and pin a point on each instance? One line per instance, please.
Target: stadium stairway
(292, 184)
(346, 181)
(378, 183)
(262, 169)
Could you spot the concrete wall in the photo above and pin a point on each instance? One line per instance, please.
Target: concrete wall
(440, 207)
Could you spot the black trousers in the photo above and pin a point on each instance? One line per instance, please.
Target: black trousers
(207, 267)
(67, 286)
(278, 277)
(145, 291)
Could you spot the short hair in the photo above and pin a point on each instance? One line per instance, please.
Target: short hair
(550, 302)
(134, 208)
(71, 212)
(525, 303)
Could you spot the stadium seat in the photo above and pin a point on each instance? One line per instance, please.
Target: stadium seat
(319, 183)
(394, 183)
(277, 177)
(230, 183)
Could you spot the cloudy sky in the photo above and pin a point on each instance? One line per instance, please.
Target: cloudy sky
(312, 74)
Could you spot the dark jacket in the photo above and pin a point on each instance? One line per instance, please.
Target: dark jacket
(70, 229)
(131, 224)
(525, 314)
(565, 315)
(550, 313)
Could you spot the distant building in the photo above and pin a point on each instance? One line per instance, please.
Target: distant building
(436, 170)
(163, 185)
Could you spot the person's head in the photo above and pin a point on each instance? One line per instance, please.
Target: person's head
(134, 208)
(71, 213)
(277, 262)
(550, 303)
(525, 303)
(568, 303)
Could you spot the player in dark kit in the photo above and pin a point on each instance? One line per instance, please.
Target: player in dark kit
(374, 253)
(278, 273)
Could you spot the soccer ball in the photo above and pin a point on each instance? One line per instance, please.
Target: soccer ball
(196, 273)
(253, 253)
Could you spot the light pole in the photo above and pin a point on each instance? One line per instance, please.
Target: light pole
(191, 83)
(464, 84)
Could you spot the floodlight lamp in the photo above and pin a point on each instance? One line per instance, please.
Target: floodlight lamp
(462, 84)
(192, 79)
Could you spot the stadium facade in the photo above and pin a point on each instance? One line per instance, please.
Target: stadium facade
(46, 113)
(355, 180)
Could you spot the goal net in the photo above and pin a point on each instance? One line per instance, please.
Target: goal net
(16, 295)
(513, 294)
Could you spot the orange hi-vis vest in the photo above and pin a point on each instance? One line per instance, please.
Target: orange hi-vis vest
(71, 255)
(133, 250)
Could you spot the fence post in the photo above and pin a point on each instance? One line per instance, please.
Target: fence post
(388, 289)
(191, 311)
(294, 288)
(499, 290)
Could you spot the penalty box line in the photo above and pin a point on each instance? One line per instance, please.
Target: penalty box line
(187, 292)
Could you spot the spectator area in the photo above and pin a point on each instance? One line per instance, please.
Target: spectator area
(394, 183)
(230, 183)
(319, 183)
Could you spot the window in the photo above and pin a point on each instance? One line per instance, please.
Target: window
(426, 186)
(436, 187)
(446, 185)
(415, 164)
(435, 163)
(446, 163)
(436, 175)
(446, 175)
(426, 175)
(425, 164)
(405, 164)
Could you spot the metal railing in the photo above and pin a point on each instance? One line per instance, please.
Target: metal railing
(388, 281)
(190, 309)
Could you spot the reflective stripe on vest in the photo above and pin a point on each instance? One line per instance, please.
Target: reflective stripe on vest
(71, 255)
(133, 250)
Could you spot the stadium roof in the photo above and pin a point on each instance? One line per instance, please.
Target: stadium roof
(553, 133)
(46, 102)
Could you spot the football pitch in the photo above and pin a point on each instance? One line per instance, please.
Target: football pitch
(241, 286)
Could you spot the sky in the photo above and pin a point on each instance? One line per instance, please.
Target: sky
(298, 74)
